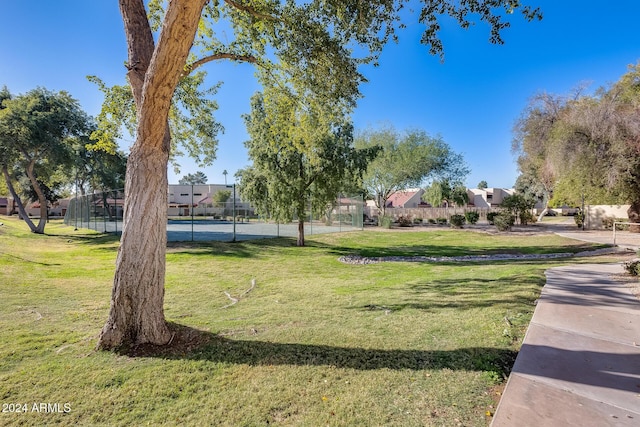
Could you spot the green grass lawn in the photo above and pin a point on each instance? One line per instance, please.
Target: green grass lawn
(316, 342)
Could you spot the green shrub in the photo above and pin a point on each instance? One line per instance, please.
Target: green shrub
(622, 227)
(441, 221)
(386, 221)
(491, 216)
(607, 222)
(579, 218)
(504, 221)
(526, 217)
(520, 206)
(432, 221)
(632, 267)
(472, 217)
(417, 220)
(457, 221)
(404, 221)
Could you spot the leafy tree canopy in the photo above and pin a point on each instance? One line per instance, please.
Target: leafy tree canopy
(193, 179)
(309, 45)
(519, 206)
(583, 146)
(407, 160)
(300, 156)
(221, 197)
(37, 134)
(441, 191)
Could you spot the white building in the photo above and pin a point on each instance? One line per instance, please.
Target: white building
(187, 200)
(488, 197)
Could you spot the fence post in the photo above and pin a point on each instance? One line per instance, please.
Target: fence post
(115, 201)
(234, 212)
(191, 209)
(339, 213)
(310, 216)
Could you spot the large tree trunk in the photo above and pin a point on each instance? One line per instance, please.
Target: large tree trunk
(21, 210)
(137, 314)
(44, 212)
(543, 213)
(300, 241)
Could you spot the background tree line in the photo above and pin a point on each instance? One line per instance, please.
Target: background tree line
(409, 159)
(46, 150)
(583, 148)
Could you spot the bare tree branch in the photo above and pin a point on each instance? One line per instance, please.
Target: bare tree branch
(230, 56)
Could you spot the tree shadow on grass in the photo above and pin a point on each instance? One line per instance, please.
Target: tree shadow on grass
(242, 249)
(88, 239)
(193, 344)
(431, 295)
(22, 259)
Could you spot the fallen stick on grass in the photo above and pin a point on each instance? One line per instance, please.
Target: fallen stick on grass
(234, 301)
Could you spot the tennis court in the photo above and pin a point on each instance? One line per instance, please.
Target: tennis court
(185, 230)
(204, 220)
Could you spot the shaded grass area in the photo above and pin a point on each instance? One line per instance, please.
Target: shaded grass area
(457, 243)
(316, 342)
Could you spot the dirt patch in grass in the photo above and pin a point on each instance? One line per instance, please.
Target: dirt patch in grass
(184, 341)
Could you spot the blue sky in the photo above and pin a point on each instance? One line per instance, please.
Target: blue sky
(471, 100)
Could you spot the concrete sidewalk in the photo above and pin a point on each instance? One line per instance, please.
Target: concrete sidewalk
(579, 364)
(622, 239)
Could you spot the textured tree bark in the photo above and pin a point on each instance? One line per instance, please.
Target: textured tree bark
(137, 301)
(300, 241)
(41, 199)
(16, 198)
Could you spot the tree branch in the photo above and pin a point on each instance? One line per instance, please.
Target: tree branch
(16, 198)
(230, 56)
(243, 294)
(140, 43)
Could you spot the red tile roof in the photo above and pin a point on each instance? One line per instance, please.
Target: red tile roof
(399, 198)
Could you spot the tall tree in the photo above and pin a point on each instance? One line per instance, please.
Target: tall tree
(300, 158)
(221, 197)
(36, 136)
(534, 136)
(585, 145)
(314, 42)
(482, 185)
(406, 161)
(5, 150)
(443, 190)
(193, 179)
(97, 168)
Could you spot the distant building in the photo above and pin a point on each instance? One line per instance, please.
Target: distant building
(406, 199)
(187, 200)
(488, 197)
(6, 205)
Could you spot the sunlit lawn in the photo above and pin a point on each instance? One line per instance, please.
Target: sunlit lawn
(316, 342)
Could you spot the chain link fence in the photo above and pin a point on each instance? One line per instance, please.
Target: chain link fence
(100, 211)
(201, 213)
